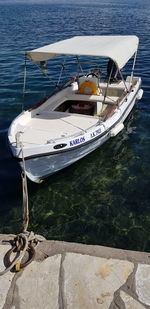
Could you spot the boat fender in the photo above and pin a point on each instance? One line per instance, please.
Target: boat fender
(116, 129)
(139, 94)
(88, 87)
(74, 86)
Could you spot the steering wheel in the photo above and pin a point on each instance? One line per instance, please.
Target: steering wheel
(93, 74)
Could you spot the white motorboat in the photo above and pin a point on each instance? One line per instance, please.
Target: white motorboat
(84, 113)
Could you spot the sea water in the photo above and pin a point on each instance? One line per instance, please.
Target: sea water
(104, 198)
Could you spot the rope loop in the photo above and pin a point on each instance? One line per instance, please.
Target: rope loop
(23, 246)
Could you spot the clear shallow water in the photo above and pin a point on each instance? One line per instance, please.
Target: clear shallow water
(104, 198)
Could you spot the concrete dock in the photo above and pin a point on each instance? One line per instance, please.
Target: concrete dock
(76, 276)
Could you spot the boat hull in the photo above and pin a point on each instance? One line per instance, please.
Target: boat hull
(41, 167)
(45, 159)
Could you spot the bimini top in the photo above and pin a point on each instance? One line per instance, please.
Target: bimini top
(119, 48)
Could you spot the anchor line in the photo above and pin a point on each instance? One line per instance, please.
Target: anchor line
(23, 244)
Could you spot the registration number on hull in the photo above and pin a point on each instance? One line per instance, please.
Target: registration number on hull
(82, 139)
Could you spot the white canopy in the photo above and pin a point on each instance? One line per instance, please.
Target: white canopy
(119, 48)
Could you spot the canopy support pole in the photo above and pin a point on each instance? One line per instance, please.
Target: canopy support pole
(123, 80)
(79, 64)
(24, 80)
(109, 78)
(133, 67)
(62, 69)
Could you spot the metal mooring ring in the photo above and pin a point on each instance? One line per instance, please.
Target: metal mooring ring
(31, 255)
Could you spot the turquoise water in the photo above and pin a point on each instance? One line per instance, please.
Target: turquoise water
(104, 198)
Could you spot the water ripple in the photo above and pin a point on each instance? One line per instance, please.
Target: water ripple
(104, 198)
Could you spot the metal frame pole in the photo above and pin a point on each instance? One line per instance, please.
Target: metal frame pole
(133, 67)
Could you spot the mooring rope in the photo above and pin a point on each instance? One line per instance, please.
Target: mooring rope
(25, 203)
(25, 242)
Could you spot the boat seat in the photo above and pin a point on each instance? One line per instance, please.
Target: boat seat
(119, 85)
(93, 98)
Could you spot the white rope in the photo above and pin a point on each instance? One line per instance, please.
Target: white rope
(23, 241)
(25, 203)
(18, 257)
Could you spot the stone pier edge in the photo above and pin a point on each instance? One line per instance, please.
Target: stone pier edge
(51, 248)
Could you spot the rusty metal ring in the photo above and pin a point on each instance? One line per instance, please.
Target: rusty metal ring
(31, 256)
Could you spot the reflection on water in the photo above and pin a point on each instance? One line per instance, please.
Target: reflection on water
(103, 198)
(99, 200)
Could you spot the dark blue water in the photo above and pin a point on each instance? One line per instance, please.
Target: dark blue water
(104, 198)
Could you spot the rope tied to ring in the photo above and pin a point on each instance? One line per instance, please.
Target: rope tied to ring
(23, 245)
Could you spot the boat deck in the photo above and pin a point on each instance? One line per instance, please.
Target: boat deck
(54, 125)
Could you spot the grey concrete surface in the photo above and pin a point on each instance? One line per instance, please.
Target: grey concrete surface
(76, 276)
